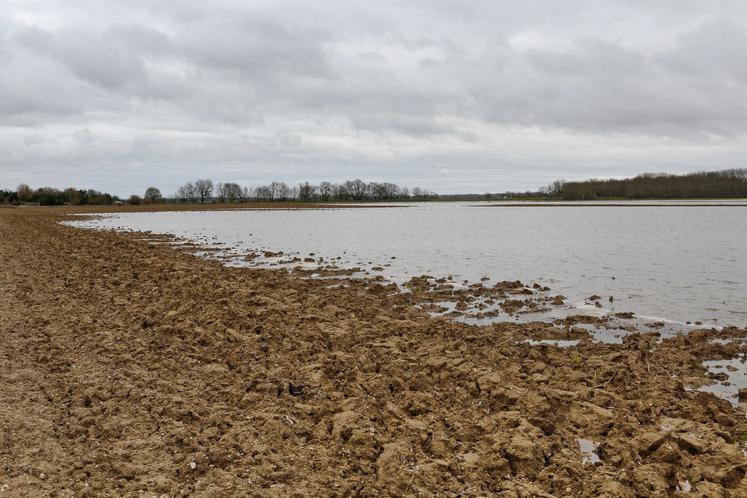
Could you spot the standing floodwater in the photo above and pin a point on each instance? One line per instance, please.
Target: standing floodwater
(685, 263)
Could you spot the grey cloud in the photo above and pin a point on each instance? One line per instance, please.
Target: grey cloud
(87, 55)
(398, 122)
(138, 39)
(716, 49)
(597, 85)
(255, 48)
(404, 86)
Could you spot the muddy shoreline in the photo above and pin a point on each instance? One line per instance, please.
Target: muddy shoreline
(132, 368)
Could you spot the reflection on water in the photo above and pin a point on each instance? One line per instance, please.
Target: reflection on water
(684, 263)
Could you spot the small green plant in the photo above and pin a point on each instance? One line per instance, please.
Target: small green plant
(576, 358)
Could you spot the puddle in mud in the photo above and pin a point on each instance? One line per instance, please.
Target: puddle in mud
(588, 451)
(684, 486)
(734, 371)
(561, 343)
(730, 340)
(601, 326)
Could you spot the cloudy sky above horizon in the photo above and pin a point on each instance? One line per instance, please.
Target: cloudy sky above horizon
(448, 95)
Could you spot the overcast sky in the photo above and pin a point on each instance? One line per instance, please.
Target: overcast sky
(451, 95)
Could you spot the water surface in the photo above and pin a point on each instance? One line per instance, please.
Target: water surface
(681, 263)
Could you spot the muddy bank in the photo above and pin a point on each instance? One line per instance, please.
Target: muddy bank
(130, 368)
(217, 206)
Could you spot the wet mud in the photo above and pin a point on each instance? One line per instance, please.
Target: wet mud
(131, 367)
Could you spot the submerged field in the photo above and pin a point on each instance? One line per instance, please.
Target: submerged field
(129, 367)
(678, 262)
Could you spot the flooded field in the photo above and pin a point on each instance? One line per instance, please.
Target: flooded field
(220, 374)
(677, 262)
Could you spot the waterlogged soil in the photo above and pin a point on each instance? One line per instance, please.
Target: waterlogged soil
(133, 368)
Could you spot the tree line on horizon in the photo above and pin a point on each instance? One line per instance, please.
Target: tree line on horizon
(730, 183)
(48, 196)
(352, 190)
(204, 190)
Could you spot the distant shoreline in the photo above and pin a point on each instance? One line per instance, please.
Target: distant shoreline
(616, 204)
(508, 203)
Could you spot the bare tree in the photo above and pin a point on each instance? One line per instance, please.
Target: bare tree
(278, 191)
(555, 188)
(384, 191)
(340, 192)
(187, 192)
(282, 192)
(220, 193)
(263, 193)
(306, 192)
(357, 189)
(325, 191)
(229, 192)
(204, 189)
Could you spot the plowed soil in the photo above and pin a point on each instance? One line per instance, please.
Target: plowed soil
(133, 369)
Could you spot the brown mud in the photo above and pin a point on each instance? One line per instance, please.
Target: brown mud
(130, 368)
